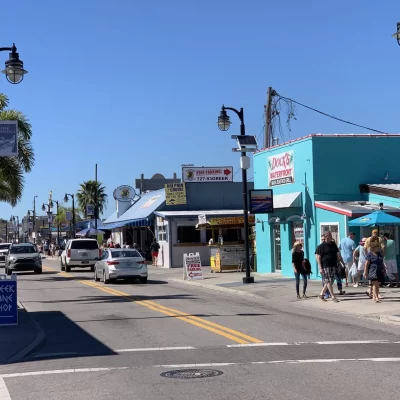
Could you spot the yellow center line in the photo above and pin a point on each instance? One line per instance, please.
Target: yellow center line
(228, 333)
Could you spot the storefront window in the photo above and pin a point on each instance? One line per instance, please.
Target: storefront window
(162, 233)
(298, 232)
(188, 234)
(333, 228)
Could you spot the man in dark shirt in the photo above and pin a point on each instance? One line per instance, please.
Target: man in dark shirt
(328, 257)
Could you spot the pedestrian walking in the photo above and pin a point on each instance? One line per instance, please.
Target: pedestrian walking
(374, 268)
(390, 260)
(347, 247)
(328, 260)
(298, 268)
(154, 248)
(359, 258)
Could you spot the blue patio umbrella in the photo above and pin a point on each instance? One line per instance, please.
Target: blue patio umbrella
(377, 218)
(89, 232)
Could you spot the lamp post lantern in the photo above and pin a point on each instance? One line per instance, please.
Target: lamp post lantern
(14, 70)
(223, 124)
(73, 210)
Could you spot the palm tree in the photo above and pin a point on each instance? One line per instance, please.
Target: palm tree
(61, 217)
(12, 169)
(88, 193)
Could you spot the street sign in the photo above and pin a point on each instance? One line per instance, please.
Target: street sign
(90, 210)
(8, 300)
(207, 174)
(8, 138)
(192, 266)
(68, 215)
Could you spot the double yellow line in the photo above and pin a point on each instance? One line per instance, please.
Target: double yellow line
(228, 333)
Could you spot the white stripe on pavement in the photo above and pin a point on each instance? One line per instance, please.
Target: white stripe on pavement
(4, 393)
(155, 349)
(332, 342)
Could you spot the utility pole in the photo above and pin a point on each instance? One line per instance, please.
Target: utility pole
(95, 200)
(268, 134)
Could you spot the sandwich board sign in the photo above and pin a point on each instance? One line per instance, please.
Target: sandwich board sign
(8, 300)
(192, 267)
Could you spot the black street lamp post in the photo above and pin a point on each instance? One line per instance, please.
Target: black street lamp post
(58, 224)
(49, 216)
(14, 66)
(397, 34)
(73, 210)
(29, 216)
(224, 124)
(12, 220)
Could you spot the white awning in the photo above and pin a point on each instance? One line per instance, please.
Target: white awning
(287, 200)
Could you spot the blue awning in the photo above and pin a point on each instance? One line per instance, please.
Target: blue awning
(131, 223)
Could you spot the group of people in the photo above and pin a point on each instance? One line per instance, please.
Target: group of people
(373, 259)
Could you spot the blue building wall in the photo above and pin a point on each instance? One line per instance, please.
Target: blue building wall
(342, 163)
(303, 183)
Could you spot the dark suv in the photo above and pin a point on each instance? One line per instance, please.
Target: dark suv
(23, 257)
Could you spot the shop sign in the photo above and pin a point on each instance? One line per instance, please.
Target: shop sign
(175, 194)
(281, 169)
(8, 300)
(192, 266)
(150, 202)
(207, 174)
(124, 193)
(8, 138)
(231, 220)
(298, 232)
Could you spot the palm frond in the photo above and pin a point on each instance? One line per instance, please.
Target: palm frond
(3, 101)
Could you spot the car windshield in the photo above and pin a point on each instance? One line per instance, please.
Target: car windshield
(22, 249)
(84, 245)
(125, 253)
(4, 246)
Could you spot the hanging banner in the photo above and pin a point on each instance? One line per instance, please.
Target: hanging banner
(90, 210)
(192, 266)
(8, 300)
(175, 194)
(8, 138)
(207, 174)
(68, 215)
(281, 169)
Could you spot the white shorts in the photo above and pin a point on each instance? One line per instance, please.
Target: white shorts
(391, 266)
(361, 266)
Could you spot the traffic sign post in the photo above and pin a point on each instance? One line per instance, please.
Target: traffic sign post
(192, 267)
(8, 300)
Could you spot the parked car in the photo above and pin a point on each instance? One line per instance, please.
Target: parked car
(80, 253)
(120, 264)
(23, 257)
(4, 247)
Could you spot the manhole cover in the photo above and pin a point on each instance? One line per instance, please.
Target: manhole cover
(191, 373)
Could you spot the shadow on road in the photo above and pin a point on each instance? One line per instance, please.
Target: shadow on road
(64, 338)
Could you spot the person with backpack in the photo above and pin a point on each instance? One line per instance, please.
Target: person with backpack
(299, 268)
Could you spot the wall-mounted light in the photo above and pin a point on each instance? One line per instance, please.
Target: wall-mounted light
(304, 217)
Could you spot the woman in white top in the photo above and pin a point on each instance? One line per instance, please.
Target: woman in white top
(359, 258)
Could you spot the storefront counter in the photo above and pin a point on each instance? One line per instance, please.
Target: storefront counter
(226, 257)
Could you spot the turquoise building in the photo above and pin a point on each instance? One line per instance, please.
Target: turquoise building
(319, 183)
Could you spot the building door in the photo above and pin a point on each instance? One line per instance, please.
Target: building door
(277, 247)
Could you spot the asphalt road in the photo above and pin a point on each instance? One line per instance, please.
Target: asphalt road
(116, 341)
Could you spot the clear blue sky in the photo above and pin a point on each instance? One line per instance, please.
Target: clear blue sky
(137, 86)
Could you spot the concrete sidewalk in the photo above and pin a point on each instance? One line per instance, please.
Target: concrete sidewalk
(280, 291)
(16, 342)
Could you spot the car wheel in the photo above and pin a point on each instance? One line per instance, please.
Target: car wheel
(92, 268)
(67, 268)
(96, 278)
(143, 280)
(38, 270)
(105, 280)
(62, 265)
(8, 271)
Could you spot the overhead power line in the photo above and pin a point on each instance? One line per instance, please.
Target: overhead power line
(329, 115)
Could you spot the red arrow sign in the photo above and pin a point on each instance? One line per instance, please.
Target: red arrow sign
(227, 171)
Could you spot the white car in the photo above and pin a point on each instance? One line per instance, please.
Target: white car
(120, 264)
(4, 247)
(80, 253)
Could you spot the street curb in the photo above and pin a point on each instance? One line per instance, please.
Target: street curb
(219, 289)
(36, 342)
(385, 319)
